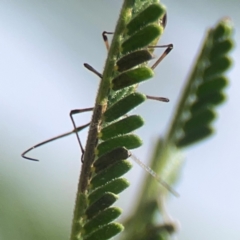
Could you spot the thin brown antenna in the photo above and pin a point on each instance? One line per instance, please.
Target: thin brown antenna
(154, 174)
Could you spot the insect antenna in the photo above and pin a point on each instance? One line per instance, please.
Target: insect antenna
(155, 175)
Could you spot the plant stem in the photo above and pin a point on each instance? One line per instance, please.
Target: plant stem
(100, 106)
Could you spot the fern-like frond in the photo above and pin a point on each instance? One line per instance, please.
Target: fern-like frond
(204, 89)
(192, 122)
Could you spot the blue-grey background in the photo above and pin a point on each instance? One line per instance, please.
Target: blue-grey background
(43, 46)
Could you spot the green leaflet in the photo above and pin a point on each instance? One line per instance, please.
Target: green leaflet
(133, 59)
(113, 171)
(208, 100)
(149, 15)
(131, 77)
(115, 186)
(223, 30)
(218, 66)
(203, 117)
(106, 232)
(110, 158)
(103, 218)
(196, 135)
(216, 84)
(129, 141)
(221, 48)
(142, 38)
(124, 126)
(105, 201)
(123, 106)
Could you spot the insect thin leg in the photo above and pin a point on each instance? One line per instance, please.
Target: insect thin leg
(168, 47)
(161, 99)
(76, 111)
(105, 39)
(50, 140)
(91, 69)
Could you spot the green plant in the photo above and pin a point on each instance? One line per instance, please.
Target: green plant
(191, 123)
(110, 137)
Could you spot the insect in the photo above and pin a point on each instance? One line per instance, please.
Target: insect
(131, 73)
(110, 130)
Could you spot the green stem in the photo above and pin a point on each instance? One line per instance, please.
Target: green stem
(100, 106)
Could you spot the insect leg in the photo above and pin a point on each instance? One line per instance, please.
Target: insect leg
(105, 39)
(50, 140)
(75, 130)
(91, 69)
(76, 111)
(168, 47)
(161, 99)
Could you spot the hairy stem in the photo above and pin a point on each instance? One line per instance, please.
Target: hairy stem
(100, 106)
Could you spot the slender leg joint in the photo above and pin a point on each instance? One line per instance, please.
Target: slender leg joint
(105, 39)
(76, 111)
(168, 47)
